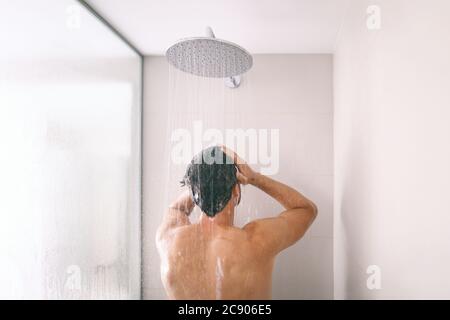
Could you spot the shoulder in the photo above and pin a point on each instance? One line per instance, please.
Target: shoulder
(262, 227)
(267, 234)
(173, 234)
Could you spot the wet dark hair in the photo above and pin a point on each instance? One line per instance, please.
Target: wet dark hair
(211, 176)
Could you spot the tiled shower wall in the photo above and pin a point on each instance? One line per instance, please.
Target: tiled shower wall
(292, 93)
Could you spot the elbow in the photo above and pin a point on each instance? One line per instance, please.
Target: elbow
(313, 210)
(158, 235)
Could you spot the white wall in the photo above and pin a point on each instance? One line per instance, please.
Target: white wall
(392, 151)
(292, 93)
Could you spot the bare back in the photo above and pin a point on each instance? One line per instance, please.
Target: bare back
(215, 260)
(204, 262)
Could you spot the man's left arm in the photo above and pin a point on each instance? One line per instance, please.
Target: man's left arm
(177, 214)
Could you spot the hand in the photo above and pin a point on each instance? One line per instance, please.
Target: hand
(184, 203)
(245, 174)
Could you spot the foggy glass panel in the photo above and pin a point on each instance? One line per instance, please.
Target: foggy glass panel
(70, 155)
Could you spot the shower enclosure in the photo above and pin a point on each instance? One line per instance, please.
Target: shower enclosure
(70, 132)
(71, 158)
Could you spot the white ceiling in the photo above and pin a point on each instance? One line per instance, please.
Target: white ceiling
(260, 26)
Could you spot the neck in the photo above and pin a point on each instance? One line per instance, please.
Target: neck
(224, 218)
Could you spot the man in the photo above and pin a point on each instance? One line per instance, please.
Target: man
(213, 259)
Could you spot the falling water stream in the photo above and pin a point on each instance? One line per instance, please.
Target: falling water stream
(199, 110)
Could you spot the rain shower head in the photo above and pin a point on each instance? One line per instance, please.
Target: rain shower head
(209, 57)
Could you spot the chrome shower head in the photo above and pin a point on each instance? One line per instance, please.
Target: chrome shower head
(209, 57)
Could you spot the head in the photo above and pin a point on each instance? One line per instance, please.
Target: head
(211, 176)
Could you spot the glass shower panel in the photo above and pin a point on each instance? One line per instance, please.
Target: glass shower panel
(70, 101)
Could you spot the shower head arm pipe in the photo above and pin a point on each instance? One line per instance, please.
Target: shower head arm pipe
(233, 81)
(210, 32)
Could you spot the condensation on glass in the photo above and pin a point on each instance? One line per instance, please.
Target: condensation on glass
(70, 155)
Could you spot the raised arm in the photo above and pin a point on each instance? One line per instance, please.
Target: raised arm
(290, 225)
(177, 214)
(278, 233)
